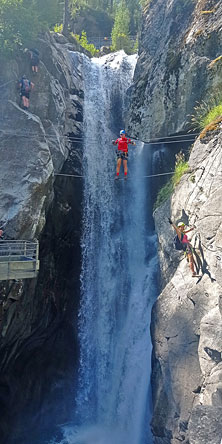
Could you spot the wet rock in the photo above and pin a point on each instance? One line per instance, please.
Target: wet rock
(104, 50)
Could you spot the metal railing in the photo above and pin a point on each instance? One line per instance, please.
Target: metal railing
(19, 250)
(18, 259)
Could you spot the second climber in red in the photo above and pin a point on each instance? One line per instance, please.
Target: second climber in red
(122, 152)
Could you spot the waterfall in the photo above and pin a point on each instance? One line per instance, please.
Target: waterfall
(119, 270)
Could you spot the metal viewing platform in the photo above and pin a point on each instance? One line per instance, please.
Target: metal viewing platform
(18, 259)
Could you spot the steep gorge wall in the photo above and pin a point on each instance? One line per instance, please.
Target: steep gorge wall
(187, 317)
(178, 42)
(38, 344)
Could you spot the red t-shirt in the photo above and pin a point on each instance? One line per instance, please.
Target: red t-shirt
(123, 144)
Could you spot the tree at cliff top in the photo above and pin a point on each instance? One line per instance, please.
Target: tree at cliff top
(21, 20)
(93, 16)
(120, 31)
(66, 18)
(96, 17)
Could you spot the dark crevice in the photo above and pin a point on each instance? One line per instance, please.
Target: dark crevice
(40, 380)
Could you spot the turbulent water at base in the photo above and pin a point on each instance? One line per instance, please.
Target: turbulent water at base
(119, 271)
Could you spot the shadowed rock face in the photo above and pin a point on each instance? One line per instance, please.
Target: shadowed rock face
(187, 317)
(178, 42)
(38, 344)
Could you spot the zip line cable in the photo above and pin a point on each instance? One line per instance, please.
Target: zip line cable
(79, 176)
(78, 139)
(151, 141)
(155, 139)
(81, 140)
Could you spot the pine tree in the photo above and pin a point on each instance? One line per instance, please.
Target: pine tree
(66, 18)
(120, 31)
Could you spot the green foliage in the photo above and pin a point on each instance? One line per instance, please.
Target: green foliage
(21, 20)
(204, 115)
(82, 8)
(48, 12)
(164, 194)
(84, 43)
(78, 5)
(207, 111)
(122, 41)
(120, 31)
(215, 112)
(58, 28)
(13, 18)
(135, 12)
(181, 167)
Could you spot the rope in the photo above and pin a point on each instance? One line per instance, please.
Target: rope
(67, 175)
(79, 140)
(76, 138)
(152, 141)
(151, 175)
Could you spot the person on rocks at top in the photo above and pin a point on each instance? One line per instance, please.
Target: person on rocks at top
(187, 247)
(122, 152)
(25, 88)
(34, 54)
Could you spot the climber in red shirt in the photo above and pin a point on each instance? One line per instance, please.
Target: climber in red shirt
(122, 152)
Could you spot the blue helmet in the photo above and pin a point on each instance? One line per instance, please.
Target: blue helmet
(122, 132)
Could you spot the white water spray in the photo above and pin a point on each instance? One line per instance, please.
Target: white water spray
(119, 267)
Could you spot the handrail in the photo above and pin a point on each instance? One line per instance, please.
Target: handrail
(17, 241)
(19, 259)
(13, 248)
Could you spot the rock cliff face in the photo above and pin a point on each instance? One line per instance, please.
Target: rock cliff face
(179, 64)
(179, 39)
(38, 346)
(187, 317)
(41, 134)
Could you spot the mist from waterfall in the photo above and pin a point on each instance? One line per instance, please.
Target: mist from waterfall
(119, 270)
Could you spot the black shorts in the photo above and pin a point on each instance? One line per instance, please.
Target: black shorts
(121, 155)
(25, 94)
(35, 61)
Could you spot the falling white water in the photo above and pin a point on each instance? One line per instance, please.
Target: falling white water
(119, 267)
